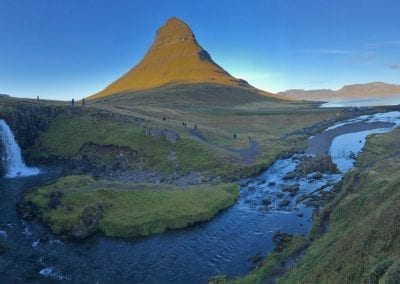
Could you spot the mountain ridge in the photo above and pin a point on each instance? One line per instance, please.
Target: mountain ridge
(363, 90)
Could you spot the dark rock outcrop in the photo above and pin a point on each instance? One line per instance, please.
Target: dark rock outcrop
(267, 201)
(88, 222)
(284, 203)
(117, 157)
(54, 199)
(312, 164)
(27, 209)
(27, 120)
(169, 135)
(292, 189)
(281, 240)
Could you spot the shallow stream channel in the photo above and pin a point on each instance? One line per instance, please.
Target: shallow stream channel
(276, 200)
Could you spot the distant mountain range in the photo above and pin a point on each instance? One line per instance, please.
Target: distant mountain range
(369, 90)
(176, 58)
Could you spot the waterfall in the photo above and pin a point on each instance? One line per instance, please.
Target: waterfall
(12, 158)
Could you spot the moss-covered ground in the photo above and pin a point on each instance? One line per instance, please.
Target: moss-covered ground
(78, 206)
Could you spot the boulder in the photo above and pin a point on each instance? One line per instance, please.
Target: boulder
(284, 203)
(280, 195)
(88, 222)
(312, 164)
(27, 209)
(292, 189)
(267, 201)
(54, 199)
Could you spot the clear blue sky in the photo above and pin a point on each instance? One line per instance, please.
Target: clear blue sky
(63, 49)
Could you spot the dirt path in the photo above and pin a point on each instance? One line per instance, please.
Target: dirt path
(249, 154)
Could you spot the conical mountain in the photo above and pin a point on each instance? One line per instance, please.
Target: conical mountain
(175, 57)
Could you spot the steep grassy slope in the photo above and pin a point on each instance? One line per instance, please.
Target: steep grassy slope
(78, 206)
(174, 57)
(363, 242)
(196, 94)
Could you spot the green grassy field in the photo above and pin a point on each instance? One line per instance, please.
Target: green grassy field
(77, 206)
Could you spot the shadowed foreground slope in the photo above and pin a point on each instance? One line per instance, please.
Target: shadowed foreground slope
(363, 242)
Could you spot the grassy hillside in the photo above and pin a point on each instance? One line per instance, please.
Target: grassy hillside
(137, 145)
(363, 242)
(78, 206)
(167, 133)
(150, 152)
(132, 132)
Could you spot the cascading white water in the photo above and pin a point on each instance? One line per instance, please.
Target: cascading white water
(12, 158)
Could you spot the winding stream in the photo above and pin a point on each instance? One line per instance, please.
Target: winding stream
(192, 255)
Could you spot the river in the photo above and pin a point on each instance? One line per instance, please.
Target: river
(220, 246)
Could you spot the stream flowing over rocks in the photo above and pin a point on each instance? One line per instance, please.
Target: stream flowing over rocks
(281, 199)
(11, 161)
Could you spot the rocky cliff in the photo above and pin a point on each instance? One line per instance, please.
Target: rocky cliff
(27, 118)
